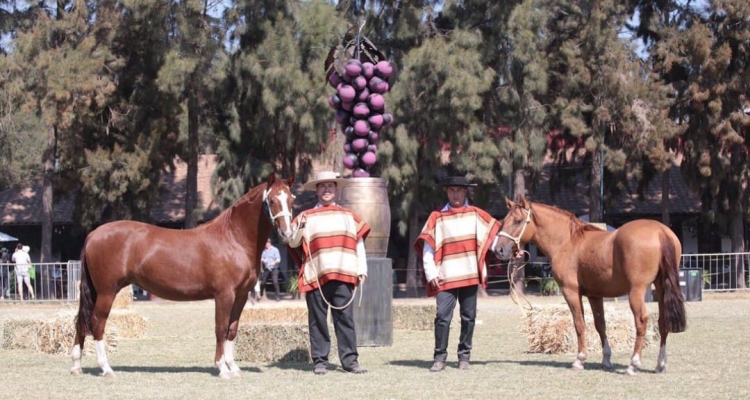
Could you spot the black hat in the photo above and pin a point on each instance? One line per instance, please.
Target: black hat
(456, 181)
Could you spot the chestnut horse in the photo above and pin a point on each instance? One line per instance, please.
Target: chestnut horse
(588, 261)
(218, 260)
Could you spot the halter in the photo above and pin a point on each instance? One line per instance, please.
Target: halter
(267, 206)
(517, 239)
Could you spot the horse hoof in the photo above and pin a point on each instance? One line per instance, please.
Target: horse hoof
(76, 371)
(608, 367)
(235, 374)
(632, 371)
(108, 374)
(226, 375)
(577, 366)
(661, 370)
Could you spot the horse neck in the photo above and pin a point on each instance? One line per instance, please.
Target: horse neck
(549, 237)
(248, 216)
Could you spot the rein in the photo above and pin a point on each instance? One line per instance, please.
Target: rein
(267, 207)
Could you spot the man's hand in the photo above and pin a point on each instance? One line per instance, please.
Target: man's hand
(362, 279)
(435, 283)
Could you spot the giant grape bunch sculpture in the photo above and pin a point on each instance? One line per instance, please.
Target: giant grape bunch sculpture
(360, 110)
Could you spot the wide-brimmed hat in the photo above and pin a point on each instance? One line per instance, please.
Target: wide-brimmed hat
(26, 249)
(456, 181)
(325, 176)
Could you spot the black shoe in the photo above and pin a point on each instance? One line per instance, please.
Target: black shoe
(437, 366)
(464, 365)
(320, 370)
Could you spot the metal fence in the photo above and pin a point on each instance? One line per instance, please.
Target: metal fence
(59, 281)
(51, 282)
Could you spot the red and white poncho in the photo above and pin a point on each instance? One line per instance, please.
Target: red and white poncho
(328, 246)
(461, 238)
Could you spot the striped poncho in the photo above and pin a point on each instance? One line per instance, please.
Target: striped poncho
(460, 237)
(329, 246)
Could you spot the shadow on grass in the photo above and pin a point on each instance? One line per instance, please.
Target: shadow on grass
(421, 364)
(590, 366)
(169, 370)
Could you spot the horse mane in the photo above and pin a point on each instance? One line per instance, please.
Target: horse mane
(222, 222)
(577, 227)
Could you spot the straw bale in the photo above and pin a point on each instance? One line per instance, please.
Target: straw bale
(129, 323)
(417, 317)
(50, 336)
(278, 342)
(272, 315)
(124, 298)
(550, 330)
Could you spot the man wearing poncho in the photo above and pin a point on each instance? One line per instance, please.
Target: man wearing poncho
(453, 245)
(328, 245)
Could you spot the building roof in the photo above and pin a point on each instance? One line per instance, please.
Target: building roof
(24, 206)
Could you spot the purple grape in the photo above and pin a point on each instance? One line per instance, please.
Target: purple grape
(376, 101)
(361, 110)
(335, 79)
(359, 144)
(383, 69)
(368, 69)
(368, 159)
(353, 67)
(361, 173)
(350, 160)
(361, 127)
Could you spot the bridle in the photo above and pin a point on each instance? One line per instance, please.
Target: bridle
(283, 213)
(517, 239)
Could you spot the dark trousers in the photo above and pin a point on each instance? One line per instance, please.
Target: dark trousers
(446, 302)
(274, 278)
(337, 293)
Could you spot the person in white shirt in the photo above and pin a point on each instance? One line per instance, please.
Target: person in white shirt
(23, 263)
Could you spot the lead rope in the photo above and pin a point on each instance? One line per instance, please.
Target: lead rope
(315, 270)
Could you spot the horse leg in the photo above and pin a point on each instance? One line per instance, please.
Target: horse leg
(223, 309)
(234, 322)
(597, 308)
(98, 322)
(77, 351)
(573, 298)
(640, 314)
(661, 363)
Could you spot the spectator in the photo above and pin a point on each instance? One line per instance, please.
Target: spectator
(270, 258)
(23, 263)
(328, 245)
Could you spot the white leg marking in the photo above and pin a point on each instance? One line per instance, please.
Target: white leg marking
(75, 355)
(229, 356)
(606, 355)
(635, 363)
(578, 363)
(661, 364)
(224, 371)
(101, 358)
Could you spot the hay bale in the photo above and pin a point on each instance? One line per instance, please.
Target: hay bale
(50, 336)
(129, 323)
(273, 315)
(550, 330)
(278, 342)
(414, 317)
(124, 298)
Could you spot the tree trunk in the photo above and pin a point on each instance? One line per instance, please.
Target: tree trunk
(595, 191)
(737, 234)
(191, 181)
(411, 264)
(47, 196)
(517, 275)
(665, 198)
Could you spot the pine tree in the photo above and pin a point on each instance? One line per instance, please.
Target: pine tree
(60, 61)
(435, 104)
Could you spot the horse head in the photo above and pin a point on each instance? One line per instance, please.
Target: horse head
(277, 200)
(518, 229)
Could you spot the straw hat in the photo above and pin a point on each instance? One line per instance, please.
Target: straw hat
(325, 176)
(26, 249)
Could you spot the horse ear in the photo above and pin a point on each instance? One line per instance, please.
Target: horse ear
(290, 180)
(271, 179)
(524, 202)
(509, 203)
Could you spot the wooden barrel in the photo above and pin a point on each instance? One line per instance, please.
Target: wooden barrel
(368, 197)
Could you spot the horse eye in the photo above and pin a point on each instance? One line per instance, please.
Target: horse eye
(518, 221)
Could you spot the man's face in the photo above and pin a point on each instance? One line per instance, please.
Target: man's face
(268, 245)
(456, 195)
(327, 192)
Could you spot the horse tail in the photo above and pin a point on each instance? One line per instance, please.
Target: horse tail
(673, 313)
(87, 297)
